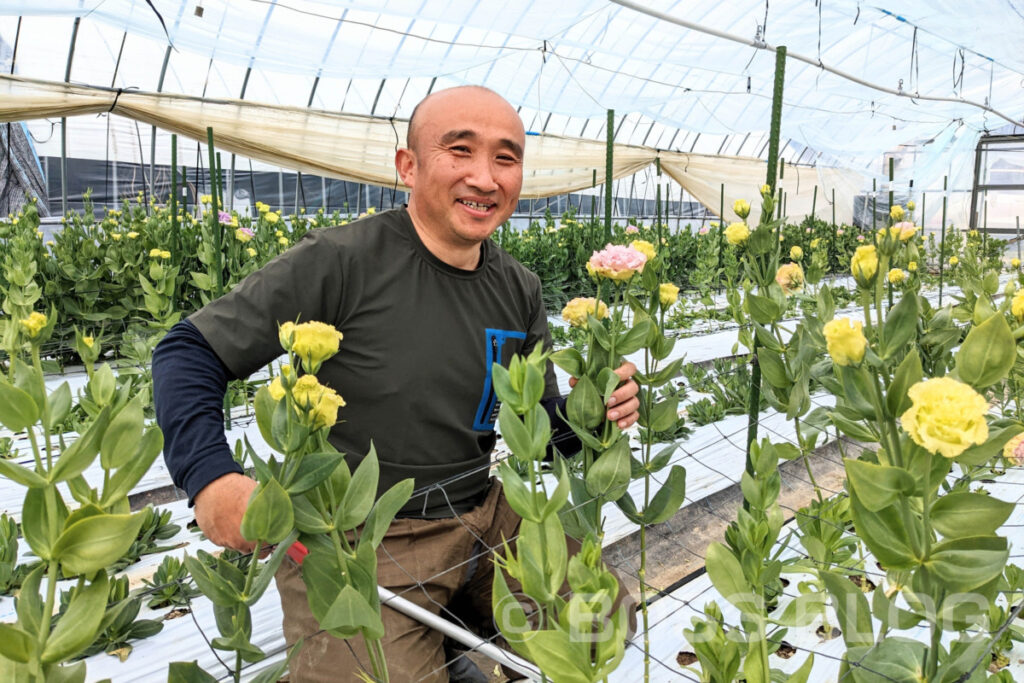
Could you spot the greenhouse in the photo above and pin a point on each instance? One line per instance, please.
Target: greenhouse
(478, 342)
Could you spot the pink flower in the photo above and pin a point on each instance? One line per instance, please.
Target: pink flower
(224, 217)
(839, 231)
(617, 262)
(702, 231)
(632, 230)
(860, 238)
(808, 231)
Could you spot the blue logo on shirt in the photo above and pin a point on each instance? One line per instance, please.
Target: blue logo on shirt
(487, 411)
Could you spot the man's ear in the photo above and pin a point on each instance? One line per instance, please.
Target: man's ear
(405, 164)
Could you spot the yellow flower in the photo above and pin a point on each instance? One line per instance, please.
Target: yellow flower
(845, 341)
(741, 207)
(766, 190)
(88, 341)
(737, 233)
(796, 253)
(39, 234)
(953, 260)
(372, 210)
(790, 277)
(668, 293)
(911, 205)
(116, 236)
(283, 241)
(946, 417)
(972, 233)
(576, 311)
(1015, 262)
(132, 235)
(912, 266)
(644, 247)
(896, 276)
(278, 233)
(33, 324)
(264, 208)
(243, 235)
(154, 253)
(815, 242)
(205, 199)
(896, 212)
(251, 252)
(320, 402)
(314, 342)
(1014, 451)
(165, 254)
(271, 217)
(864, 265)
(907, 232)
(1017, 305)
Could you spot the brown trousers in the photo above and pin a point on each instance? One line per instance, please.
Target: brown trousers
(431, 563)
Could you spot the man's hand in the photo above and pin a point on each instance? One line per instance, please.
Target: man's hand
(623, 405)
(219, 509)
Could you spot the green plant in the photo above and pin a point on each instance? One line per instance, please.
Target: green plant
(703, 411)
(171, 585)
(123, 627)
(11, 573)
(156, 526)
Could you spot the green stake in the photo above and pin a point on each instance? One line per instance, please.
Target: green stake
(218, 238)
(174, 198)
(609, 158)
(773, 156)
(942, 239)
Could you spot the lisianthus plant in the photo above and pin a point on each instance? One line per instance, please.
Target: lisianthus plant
(573, 631)
(311, 495)
(947, 569)
(76, 543)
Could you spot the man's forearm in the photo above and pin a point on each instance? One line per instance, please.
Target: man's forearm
(189, 381)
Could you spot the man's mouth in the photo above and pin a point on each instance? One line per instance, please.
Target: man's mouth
(476, 206)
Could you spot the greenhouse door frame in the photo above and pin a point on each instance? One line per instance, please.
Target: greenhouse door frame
(985, 144)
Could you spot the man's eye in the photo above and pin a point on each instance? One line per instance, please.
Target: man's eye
(507, 159)
(461, 149)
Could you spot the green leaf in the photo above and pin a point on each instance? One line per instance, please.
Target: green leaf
(533, 386)
(964, 513)
(17, 409)
(503, 388)
(351, 613)
(610, 474)
(384, 511)
(554, 650)
(802, 674)
(122, 437)
(36, 523)
(900, 325)
(219, 590)
(907, 375)
(15, 644)
(801, 611)
(667, 501)
(763, 309)
(894, 660)
(21, 474)
(664, 415)
(772, 368)
(854, 430)
(96, 542)
(79, 626)
(885, 534)
(265, 405)
(360, 494)
(569, 360)
(515, 433)
(727, 577)
(58, 405)
(964, 564)
(129, 474)
(80, 454)
(519, 498)
(634, 338)
(307, 519)
(600, 332)
(561, 493)
(314, 468)
(982, 453)
(583, 406)
(878, 486)
(274, 673)
(987, 354)
(188, 672)
(852, 610)
(102, 385)
(269, 516)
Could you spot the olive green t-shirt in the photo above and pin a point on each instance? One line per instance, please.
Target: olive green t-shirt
(419, 340)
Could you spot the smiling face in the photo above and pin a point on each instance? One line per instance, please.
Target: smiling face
(465, 167)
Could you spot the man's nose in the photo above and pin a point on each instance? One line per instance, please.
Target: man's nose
(481, 176)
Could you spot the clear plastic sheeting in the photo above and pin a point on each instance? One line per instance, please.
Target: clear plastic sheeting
(361, 148)
(566, 63)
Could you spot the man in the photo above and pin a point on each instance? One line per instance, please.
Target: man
(426, 303)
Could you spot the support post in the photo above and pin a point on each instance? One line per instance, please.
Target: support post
(174, 199)
(608, 159)
(942, 238)
(721, 221)
(974, 186)
(814, 204)
(64, 125)
(773, 155)
(218, 237)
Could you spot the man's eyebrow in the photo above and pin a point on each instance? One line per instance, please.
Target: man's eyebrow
(456, 135)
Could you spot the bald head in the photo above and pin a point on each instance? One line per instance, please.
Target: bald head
(442, 101)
